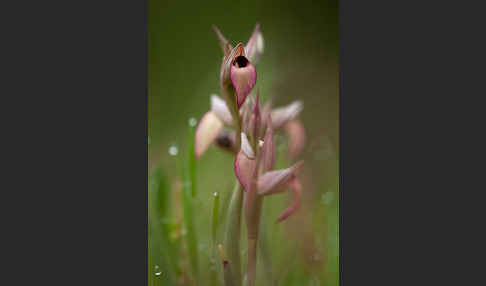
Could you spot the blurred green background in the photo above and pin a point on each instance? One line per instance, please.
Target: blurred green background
(300, 62)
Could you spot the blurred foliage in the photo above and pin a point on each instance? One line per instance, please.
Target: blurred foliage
(300, 62)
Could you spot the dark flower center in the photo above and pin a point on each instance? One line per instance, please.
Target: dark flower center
(241, 61)
(224, 141)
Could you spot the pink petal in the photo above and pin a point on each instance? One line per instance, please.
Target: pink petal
(245, 115)
(274, 181)
(268, 149)
(254, 47)
(296, 134)
(294, 184)
(282, 115)
(225, 80)
(219, 107)
(244, 169)
(207, 130)
(246, 147)
(256, 120)
(243, 77)
(266, 112)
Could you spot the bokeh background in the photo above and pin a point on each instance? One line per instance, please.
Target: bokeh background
(300, 61)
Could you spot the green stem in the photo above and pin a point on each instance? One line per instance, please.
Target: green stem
(253, 207)
(188, 194)
(252, 226)
(232, 236)
(265, 255)
(214, 230)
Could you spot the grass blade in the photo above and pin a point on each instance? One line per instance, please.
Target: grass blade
(232, 236)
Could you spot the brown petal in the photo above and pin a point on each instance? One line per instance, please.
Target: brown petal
(226, 140)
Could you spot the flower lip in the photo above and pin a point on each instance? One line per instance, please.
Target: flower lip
(240, 61)
(223, 141)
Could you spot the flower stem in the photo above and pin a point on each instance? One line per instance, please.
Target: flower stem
(253, 220)
(232, 236)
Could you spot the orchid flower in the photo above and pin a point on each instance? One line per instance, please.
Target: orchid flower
(211, 127)
(236, 124)
(238, 75)
(258, 165)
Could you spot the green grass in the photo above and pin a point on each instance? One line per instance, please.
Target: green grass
(304, 250)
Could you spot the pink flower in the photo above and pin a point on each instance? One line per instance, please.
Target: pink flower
(238, 74)
(254, 170)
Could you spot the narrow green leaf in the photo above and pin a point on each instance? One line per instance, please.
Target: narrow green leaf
(232, 236)
(215, 216)
(161, 258)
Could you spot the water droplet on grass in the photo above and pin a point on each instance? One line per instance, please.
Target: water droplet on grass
(157, 271)
(173, 150)
(192, 121)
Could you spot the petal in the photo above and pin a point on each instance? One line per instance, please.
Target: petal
(268, 149)
(225, 79)
(282, 115)
(225, 45)
(254, 47)
(266, 112)
(244, 169)
(297, 187)
(256, 119)
(274, 181)
(226, 140)
(243, 77)
(246, 147)
(245, 115)
(207, 130)
(296, 134)
(219, 107)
